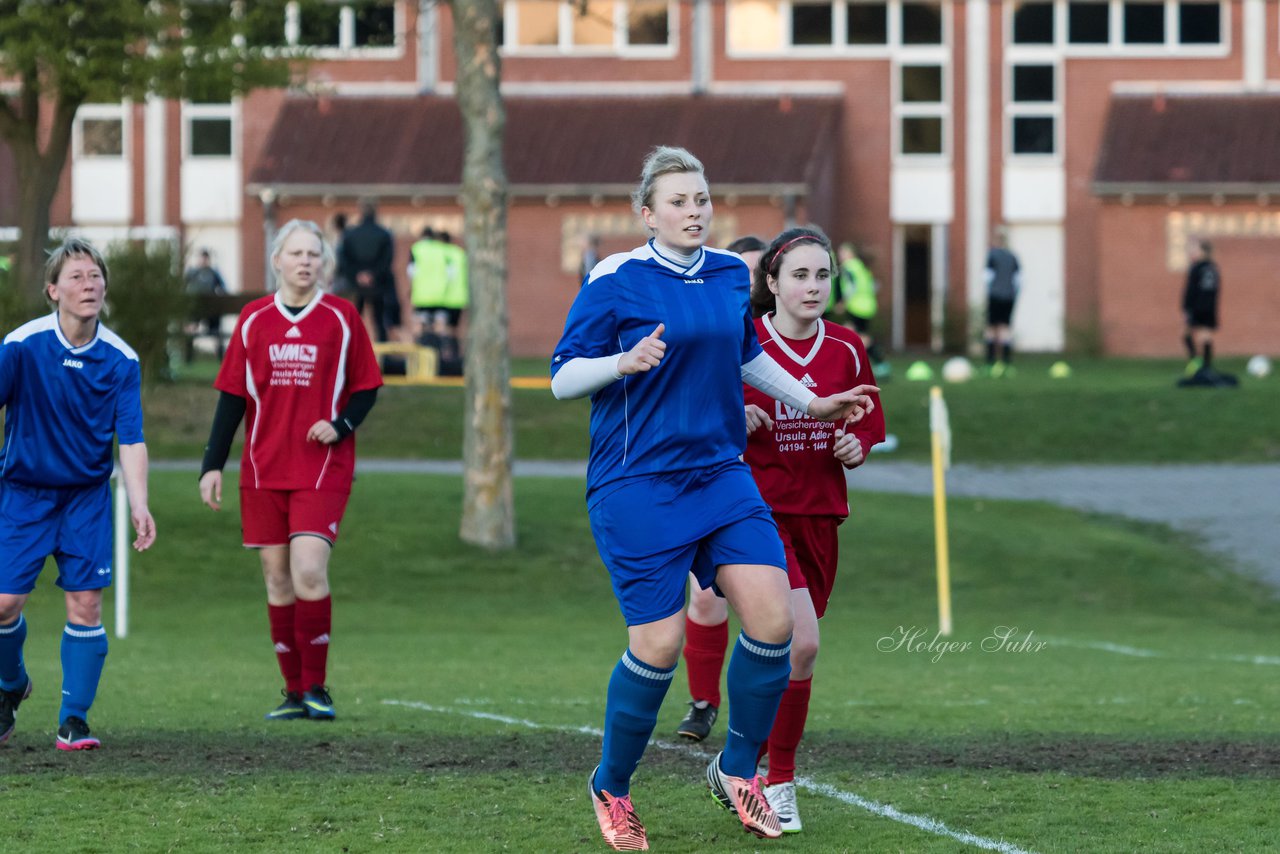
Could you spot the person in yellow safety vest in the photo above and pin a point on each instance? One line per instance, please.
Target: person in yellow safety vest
(457, 296)
(428, 275)
(856, 305)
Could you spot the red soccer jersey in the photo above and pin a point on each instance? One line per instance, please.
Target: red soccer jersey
(794, 464)
(295, 370)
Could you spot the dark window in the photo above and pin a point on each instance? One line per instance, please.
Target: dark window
(811, 24)
(922, 84)
(647, 23)
(1033, 23)
(1033, 135)
(922, 135)
(264, 23)
(102, 137)
(205, 18)
(921, 23)
(1143, 23)
(1199, 23)
(375, 24)
(319, 25)
(1088, 23)
(1032, 83)
(211, 137)
(867, 23)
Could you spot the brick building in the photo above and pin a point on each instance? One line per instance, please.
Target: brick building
(1101, 133)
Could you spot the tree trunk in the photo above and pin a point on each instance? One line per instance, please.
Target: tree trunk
(488, 513)
(38, 175)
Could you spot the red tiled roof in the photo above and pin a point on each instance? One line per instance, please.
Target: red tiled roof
(1211, 143)
(412, 146)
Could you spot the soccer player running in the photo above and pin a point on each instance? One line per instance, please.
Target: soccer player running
(661, 338)
(69, 386)
(799, 467)
(301, 367)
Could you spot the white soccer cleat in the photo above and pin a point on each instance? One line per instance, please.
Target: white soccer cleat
(782, 798)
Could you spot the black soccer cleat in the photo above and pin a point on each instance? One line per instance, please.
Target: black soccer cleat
(9, 702)
(74, 735)
(698, 723)
(291, 709)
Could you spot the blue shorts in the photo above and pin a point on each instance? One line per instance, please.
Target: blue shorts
(71, 523)
(653, 530)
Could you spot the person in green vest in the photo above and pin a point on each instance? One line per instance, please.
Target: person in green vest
(457, 296)
(854, 303)
(428, 277)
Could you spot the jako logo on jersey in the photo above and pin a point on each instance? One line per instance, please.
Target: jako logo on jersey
(292, 353)
(807, 382)
(103, 570)
(293, 333)
(693, 281)
(72, 363)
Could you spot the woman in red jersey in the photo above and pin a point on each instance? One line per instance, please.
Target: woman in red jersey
(301, 367)
(799, 465)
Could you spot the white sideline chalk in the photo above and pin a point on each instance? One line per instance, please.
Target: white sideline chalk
(929, 825)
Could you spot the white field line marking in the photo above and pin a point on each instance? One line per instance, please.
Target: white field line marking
(929, 825)
(1136, 652)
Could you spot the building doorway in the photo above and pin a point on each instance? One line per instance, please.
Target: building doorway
(919, 286)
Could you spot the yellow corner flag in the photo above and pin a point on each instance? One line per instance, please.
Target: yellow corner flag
(940, 436)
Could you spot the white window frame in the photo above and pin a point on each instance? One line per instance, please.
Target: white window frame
(564, 33)
(840, 48)
(229, 111)
(99, 112)
(1117, 48)
(915, 109)
(346, 49)
(1034, 109)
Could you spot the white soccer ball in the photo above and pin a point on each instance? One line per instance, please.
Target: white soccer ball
(957, 369)
(1259, 366)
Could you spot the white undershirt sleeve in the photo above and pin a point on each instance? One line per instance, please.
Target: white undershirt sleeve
(768, 376)
(581, 376)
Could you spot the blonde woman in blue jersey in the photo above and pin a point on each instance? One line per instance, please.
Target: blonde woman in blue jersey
(662, 339)
(69, 386)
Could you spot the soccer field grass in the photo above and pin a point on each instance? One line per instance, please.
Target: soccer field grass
(1109, 411)
(470, 685)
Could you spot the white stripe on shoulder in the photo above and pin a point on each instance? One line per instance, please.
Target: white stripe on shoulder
(109, 337)
(713, 251)
(857, 361)
(611, 264)
(32, 327)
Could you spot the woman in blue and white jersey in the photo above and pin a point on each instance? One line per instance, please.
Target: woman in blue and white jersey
(662, 339)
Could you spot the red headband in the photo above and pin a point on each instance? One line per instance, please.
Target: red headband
(783, 248)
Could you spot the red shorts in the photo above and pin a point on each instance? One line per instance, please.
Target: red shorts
(271, 517)
(812, 545)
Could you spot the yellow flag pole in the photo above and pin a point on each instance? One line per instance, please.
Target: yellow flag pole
(940, 439)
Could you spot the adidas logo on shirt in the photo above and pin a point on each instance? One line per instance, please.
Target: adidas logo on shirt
(293, 333)
(807, 382)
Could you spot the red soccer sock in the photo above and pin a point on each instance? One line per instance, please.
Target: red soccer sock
(788, 727)
(282, 617)
(311, 631)
(704, 648)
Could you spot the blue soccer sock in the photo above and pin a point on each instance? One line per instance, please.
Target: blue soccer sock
(13, 671)
(636, 691)
(84, 651)
(758, 674)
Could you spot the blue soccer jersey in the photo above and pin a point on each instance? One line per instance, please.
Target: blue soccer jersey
(64, 405)
(687, 412)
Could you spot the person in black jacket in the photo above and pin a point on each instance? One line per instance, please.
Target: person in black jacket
(368, 251)
(1200, 305)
